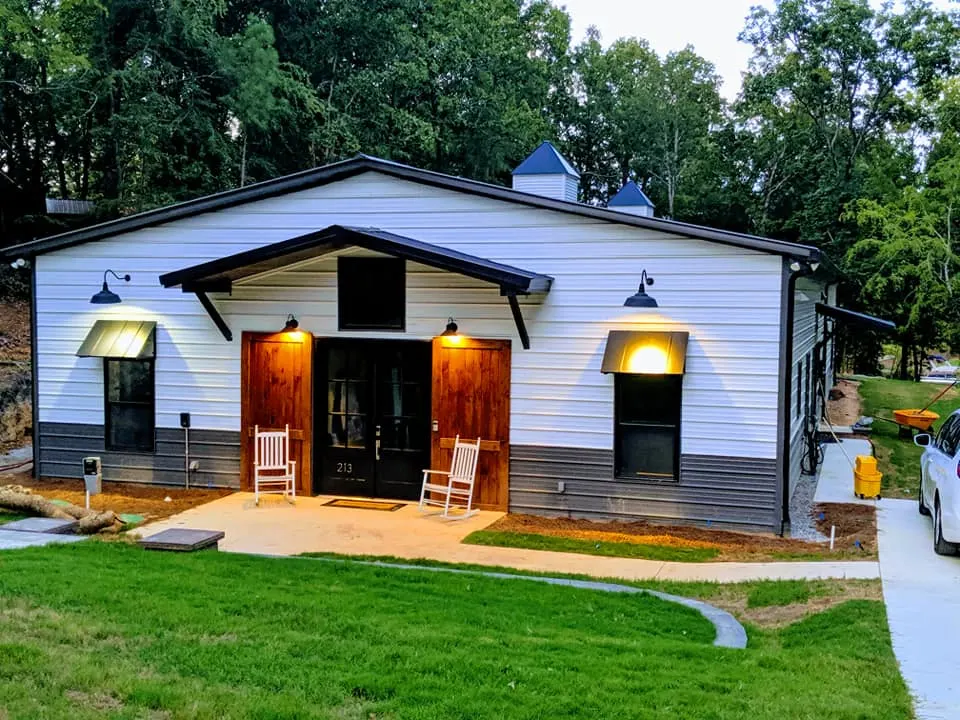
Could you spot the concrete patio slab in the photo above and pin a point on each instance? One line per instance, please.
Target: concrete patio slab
(14, 540)
(279, 528)
(43, 525)
(836, 476)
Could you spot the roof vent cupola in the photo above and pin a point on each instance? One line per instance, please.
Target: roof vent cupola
(547, 173)
(631, 200)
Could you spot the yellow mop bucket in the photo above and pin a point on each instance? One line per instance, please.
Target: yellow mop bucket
(866, 477)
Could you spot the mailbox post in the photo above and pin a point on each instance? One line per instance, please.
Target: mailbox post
(92, 477)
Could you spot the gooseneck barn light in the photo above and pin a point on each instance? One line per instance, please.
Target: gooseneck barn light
(451, 329)
(640, 299)
(291, 324)
(106, 296)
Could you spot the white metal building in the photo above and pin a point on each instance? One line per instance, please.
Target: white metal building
(691, 410)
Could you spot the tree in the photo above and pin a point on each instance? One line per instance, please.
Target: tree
(842, 79)
(44, 103)
(907, 261)
(642, 118)
(264, 91)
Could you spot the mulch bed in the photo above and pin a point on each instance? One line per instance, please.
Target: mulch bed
(852, 521)
(146, 500)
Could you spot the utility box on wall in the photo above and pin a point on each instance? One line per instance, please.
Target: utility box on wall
(92, 475)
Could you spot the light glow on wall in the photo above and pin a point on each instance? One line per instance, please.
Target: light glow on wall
(648, 360)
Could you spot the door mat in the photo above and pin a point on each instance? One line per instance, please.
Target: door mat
(365, 504)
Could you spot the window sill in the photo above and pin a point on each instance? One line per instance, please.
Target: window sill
(648, 479)
(377, 329)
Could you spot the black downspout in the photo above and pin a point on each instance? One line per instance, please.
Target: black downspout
(788, 308)
(35, 386)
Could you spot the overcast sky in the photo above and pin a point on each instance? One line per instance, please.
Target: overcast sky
(711, 26)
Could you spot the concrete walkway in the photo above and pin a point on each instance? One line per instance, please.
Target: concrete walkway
(922, 594)
(14, 540)
(278, 528)
(835, 483)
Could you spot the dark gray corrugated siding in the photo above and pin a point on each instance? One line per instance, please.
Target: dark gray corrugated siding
(805, 336)
(731, 491)
(63, 445)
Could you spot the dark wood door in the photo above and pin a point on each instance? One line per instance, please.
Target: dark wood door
(375, 438)
(471, 398)
(276, 381)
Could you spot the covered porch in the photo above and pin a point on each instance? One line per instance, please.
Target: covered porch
(369, 400)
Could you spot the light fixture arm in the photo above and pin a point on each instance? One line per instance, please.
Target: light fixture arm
(640, 299)
(125, 278)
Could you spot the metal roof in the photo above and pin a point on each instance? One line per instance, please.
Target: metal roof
(364, 163)
(120, 339)
(645, 352)
(59, 206)
(839, 313)
(219, 275)
(630, 195)
(546, 160)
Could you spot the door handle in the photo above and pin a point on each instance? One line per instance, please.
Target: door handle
(376, 443)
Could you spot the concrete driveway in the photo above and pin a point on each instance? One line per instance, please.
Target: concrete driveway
(922, 594)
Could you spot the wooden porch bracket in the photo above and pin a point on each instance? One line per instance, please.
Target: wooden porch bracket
(518, 319)
(214, 315)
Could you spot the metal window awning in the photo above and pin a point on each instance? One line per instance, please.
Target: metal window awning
(645, 352)
(849, 316)
(132, 339)
(219, 275)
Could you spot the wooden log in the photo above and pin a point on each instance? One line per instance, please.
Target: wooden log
(23, 500)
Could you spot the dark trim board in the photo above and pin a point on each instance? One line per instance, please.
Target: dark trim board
(219, 274)
(855, 318)
(62, 446)
(34, 380)
(366, 163)
(733, 492)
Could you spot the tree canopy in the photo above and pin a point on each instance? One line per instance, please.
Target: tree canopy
(846, 134)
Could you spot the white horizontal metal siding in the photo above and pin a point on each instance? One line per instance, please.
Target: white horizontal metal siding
(726, 298)
(558, 187)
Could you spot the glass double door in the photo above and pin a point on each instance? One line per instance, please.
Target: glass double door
(375, 438)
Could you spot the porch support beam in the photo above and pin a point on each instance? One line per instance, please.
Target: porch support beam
(214, 315)
(221, 285)
(518, 319)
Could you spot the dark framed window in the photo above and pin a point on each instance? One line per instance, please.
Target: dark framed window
(129, 414)
(371, 293)
(949, 436)
(347, 401)
(647, 426)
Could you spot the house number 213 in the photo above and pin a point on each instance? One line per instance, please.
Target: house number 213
(343, 467)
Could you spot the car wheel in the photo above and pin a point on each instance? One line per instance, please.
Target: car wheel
(940, 546)
(924, 510)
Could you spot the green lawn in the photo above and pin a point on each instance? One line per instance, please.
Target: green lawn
(534, 541)
(899, 459)
(106, 630)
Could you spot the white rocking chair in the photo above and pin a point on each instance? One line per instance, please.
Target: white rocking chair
(459, 481)
(274, 473)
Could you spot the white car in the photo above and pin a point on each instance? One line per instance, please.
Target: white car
(940, 483)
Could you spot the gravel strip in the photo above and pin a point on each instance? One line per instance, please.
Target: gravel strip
(802, 525)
